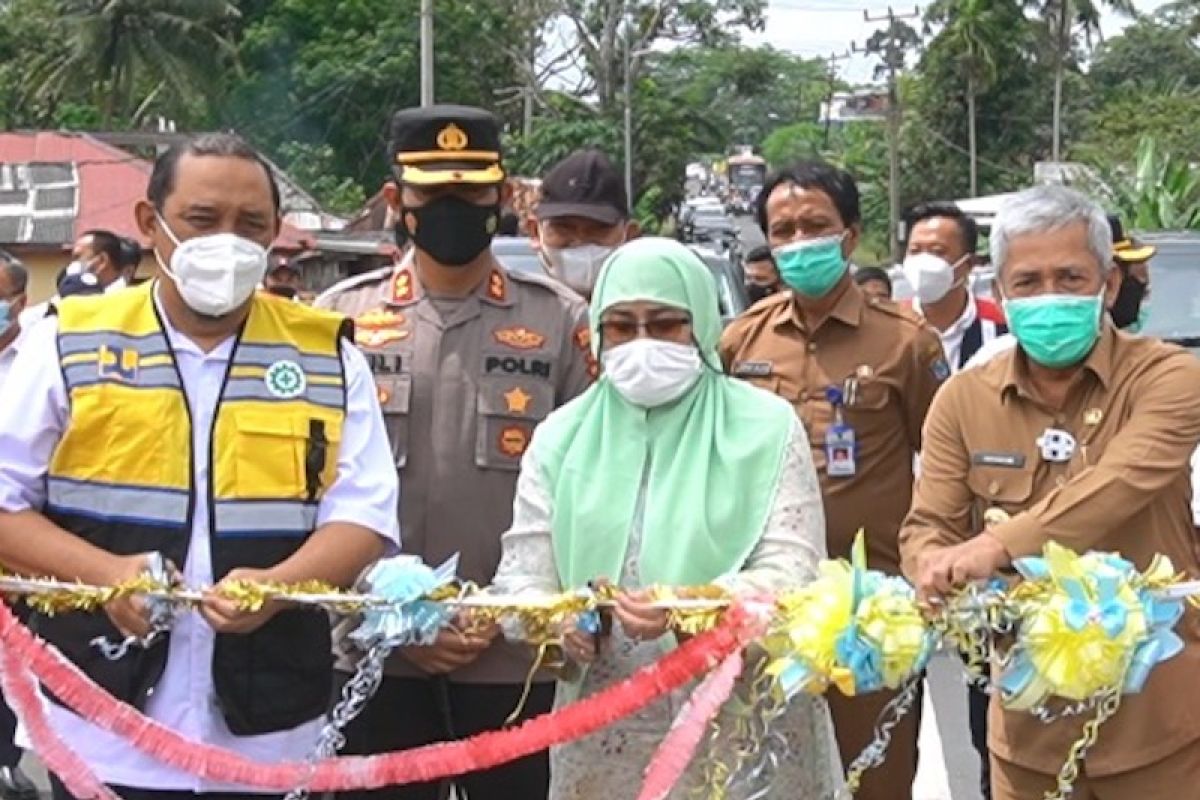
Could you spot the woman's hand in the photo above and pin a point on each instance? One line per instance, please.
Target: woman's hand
(640, 618)
(580, 646)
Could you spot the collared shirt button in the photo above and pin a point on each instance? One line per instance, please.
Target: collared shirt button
(993, 487)
(804, 395)
(1060, 481)
(812, 347)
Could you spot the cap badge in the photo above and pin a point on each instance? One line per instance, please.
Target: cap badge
(452, 137)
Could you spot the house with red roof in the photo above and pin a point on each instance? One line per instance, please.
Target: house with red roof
(55, 185)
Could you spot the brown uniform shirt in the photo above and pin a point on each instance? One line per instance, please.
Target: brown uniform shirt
(462, 383)
(1135, 417)
(888, 364)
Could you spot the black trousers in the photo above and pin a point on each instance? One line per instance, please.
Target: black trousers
(977, 707)
(10, 754)
(59, 792)
(411, 712)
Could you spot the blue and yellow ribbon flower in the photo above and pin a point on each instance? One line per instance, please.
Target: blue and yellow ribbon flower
(1088, 624)
(853, 628)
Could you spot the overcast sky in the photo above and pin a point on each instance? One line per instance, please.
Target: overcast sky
(815, 28)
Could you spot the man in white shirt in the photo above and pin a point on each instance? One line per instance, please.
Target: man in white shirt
(237, 434)
(14, 783)
(13, 281)
(938, 262)
(97, 253)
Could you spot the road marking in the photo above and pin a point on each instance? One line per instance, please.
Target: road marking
(933, 782)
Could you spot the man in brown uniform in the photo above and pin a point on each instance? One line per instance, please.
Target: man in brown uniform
(468, 357)
(1113, 476)
(861, 374)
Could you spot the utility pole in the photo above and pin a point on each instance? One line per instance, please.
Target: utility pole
(891, 46)
(426, 53)
(831, 73)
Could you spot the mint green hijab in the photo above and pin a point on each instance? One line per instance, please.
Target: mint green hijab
(712, 459)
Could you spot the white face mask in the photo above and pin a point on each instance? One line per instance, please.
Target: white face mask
(651, 373)
(579, 266)
(931, 276)
(215, 274)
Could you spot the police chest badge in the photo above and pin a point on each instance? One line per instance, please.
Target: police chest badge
(285, 380)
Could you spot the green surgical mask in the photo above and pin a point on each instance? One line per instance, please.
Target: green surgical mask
(812, 267)
(1055, 330)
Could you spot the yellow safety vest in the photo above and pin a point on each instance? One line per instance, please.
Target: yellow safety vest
(122, 478)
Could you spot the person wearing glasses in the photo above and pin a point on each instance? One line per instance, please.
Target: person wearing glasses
(665, 472)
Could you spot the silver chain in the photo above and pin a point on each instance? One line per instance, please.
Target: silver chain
(368, 674)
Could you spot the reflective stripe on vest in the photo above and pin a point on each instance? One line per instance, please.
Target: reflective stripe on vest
(126, 452)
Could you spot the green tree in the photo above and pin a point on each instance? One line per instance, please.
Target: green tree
(1069, 23)
(1115, 130)
(973, 30)
(1149, 56)
(801, 141)
(1161, 192)
(1010, 114)
(608, 33)
(124, 54)
(750, 91)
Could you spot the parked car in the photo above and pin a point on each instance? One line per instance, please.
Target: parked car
(1174, 298)
(517, 253)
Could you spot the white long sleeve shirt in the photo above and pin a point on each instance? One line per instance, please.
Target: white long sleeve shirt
(33, 418)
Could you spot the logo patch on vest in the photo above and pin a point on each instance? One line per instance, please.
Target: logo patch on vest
(119, 364)
(285, 380)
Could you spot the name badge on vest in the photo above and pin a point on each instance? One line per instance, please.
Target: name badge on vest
(1057, 446)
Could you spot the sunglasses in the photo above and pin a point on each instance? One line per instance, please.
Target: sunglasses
(620, 331)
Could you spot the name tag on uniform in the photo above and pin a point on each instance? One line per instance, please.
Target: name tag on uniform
(839, 452)
(1010, 460)
(753, 369)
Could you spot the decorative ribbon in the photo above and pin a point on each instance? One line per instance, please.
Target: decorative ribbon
(853, 628)
(433, 762)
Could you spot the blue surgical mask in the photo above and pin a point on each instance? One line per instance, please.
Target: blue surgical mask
(1056, 330)
(814, 266)
(5, 314)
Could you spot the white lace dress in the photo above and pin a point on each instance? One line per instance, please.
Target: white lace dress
(609, 764)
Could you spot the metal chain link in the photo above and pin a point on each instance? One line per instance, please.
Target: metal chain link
(368, 674)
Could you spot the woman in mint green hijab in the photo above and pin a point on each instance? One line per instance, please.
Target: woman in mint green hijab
(665, 472)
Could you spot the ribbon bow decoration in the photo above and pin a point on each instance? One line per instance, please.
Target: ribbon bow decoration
(406, 617)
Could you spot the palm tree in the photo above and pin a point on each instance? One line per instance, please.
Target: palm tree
(117, 48)
(1065, 20)
(973, 30)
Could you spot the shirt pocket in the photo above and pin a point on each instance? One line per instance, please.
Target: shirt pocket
(285, 456)
(508, 411)
(395, 398)
(1007, 488)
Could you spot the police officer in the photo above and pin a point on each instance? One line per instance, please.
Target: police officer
(861, 374)
(468, 358)
(1080, 435)
(581, 217)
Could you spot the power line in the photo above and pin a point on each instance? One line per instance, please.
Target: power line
(892, 47)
